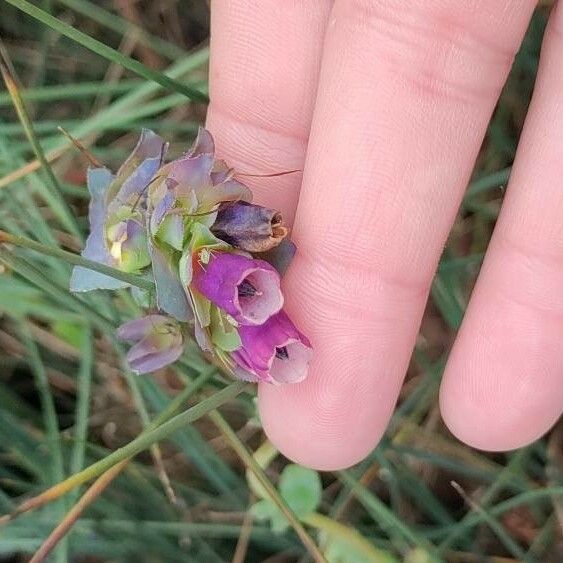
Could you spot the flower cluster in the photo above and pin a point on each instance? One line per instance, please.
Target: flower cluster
(215, 258)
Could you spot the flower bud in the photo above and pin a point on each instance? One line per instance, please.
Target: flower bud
(157, 341)
(249, 227)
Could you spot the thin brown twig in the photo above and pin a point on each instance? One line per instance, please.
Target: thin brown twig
(84, 151)
(244, 538)
(74, 513)
(273, 175)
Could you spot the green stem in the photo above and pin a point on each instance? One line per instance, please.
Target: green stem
(348, 535)
(142, 442)
(245, 455)
(264, 455)
(50, 420)
(83, 400)
(76, 259)
(108, 476)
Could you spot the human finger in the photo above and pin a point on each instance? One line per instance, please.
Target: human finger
(503, 385)
(405, 95)
(265, 60)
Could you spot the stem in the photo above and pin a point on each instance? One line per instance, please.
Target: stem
(354, 539)
(72, 516)
(106, 478)
(76, 259)
(245, 455)
(53, 194)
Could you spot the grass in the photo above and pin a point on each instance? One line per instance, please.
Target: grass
(70, 413)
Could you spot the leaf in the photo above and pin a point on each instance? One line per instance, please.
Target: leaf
(170, 295)
(83, 279)
(223, 333)
(143, 297)
(203, 237)
(301, 488)
(202, 308)
(266, 510)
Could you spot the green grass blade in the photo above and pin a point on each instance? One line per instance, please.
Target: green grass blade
(50, 422)
(142, 442)
(114, 111)
(120, 25)
(53, 194)
(72, 91)
(384, 516)
(107, 52)
(83, 400)
(261, 476)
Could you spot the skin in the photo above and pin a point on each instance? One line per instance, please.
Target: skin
(383, 104)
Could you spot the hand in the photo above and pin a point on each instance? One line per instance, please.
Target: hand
(384, 104)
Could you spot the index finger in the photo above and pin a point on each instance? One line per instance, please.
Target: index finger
(265, 60)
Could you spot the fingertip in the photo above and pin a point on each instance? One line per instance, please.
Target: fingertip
(322, 439)
(487, 428)
(335, 417)
(502, 385)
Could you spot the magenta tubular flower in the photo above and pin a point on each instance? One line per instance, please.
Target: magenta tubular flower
(274, 352)
(245, 288)
(157, 341)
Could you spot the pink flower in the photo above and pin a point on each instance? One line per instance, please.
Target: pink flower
(245, 288)
(275, 352)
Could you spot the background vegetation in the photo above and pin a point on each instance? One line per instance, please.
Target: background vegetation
(67, 401)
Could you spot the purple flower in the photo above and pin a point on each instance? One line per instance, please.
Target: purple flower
(249, 227)
(127, 242)
(116, 214)
(185, 192)
(274, 352)
(245, 288)
(197, 181)
(157, 341)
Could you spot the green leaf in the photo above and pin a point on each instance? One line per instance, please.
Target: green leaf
(265, 509)
(223, 333)
(203, 237)
(301, 488)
